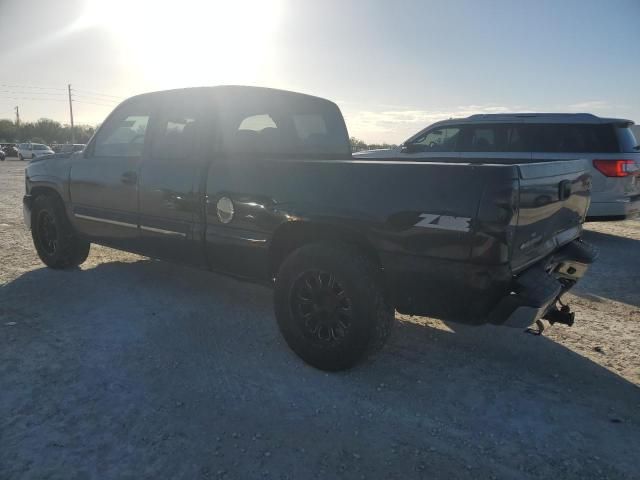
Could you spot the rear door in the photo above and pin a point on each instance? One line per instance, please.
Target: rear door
(170, 178)
(104, 181)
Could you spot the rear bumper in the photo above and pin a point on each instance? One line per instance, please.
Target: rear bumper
(536, 290)
(26, 210)
(628, 207)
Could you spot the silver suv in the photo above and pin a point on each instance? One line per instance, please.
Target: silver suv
(33, 150)
(608, 143)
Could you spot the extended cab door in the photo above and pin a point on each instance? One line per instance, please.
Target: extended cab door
(170, 178)
(104, 181)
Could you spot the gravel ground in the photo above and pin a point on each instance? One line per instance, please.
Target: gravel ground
(133, 368)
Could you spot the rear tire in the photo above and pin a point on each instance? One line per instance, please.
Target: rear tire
(330, 305)
(20, 157)
(57, 243)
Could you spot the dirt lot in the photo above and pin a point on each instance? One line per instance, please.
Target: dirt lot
(132, 368)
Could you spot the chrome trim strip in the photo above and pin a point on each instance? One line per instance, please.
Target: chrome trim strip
(160, 230)
(104, 220)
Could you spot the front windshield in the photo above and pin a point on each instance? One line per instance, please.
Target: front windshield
(38, 146)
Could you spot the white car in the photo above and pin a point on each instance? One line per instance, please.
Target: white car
(607, 143)
(33, 150)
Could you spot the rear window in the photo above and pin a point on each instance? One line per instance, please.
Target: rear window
(628, 141)
(573, 138)
(544, 138)
(275, 125)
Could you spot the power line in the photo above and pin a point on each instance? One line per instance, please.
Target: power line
(30, 86)
(93, 103)
(41, 99)
(91, 97)
(13, 92)
(98, 93)
(89, 94)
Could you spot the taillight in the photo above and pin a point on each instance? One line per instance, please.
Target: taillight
(616, 168)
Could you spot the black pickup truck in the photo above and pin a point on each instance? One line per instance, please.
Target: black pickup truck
(260, 184)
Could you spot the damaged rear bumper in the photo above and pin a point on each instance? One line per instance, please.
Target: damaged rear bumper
(535, 292)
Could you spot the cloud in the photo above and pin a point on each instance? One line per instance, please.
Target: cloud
(589, 106)
(397, 124)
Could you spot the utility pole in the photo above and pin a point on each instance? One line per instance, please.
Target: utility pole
(17, 116)
(73, 134)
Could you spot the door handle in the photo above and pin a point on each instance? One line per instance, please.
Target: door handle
(129, 178)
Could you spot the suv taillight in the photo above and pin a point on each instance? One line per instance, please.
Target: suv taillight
(616, 168)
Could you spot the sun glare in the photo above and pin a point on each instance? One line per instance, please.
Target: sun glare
(189, 42)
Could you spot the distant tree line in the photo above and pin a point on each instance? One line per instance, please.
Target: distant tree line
(43, 131)
(358, 145)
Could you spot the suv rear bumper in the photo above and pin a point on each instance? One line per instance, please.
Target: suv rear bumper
(628, 207)
(536, 290)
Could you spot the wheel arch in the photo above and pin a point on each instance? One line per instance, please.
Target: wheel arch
(38, 190)
(293, 235)
(46, 189)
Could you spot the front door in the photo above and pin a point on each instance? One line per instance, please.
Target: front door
(104, 181)
(439, 144)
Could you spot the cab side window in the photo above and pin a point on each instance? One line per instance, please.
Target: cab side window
(270, 127)
(123, 134)
(175, 137)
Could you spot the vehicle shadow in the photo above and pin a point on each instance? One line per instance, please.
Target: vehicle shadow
(604, 279)
(150, 361)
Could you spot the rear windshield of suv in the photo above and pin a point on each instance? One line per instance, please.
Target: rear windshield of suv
(541, 138)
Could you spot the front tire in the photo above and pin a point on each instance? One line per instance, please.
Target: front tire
(56, 242)
(330, 305)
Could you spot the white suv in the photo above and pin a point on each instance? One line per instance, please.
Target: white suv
(33, 150)
(608, 143)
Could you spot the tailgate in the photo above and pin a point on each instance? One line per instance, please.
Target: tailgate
(552, 204)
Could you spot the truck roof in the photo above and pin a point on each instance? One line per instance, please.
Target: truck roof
(583, 118)
(231, 91)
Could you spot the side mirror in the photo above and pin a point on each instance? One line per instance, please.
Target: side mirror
(409, 148)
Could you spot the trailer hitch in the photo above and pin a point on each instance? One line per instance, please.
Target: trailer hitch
(564, 315)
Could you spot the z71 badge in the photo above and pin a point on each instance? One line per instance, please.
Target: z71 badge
(444, 222)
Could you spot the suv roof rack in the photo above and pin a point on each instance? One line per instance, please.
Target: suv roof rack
(507, 116)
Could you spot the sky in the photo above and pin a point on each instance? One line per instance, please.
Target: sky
(393, 67)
